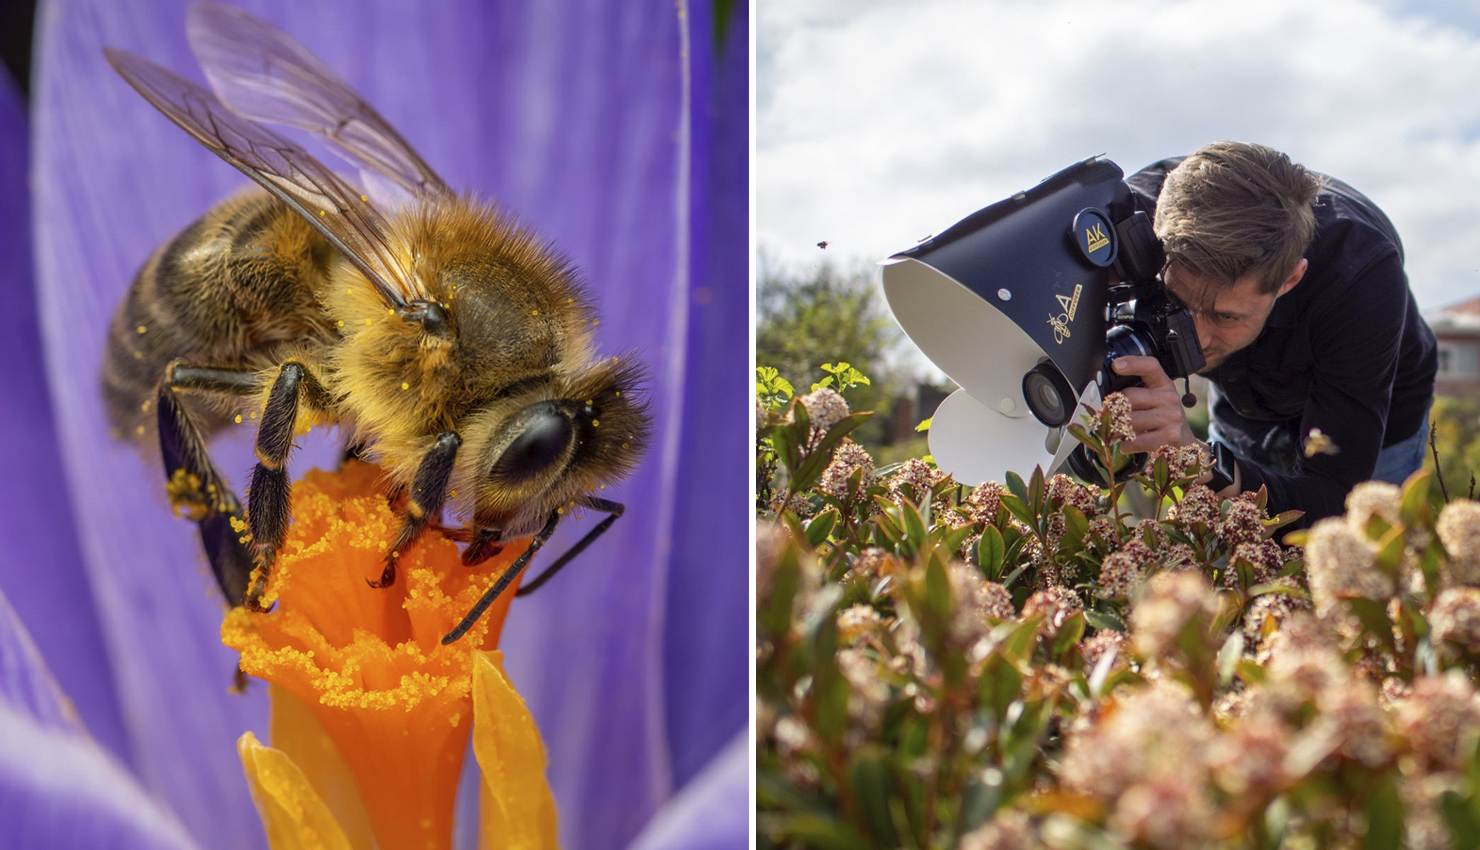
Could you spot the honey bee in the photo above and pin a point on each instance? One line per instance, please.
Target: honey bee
(448, 343)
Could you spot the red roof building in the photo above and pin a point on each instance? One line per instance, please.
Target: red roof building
(1457, 330)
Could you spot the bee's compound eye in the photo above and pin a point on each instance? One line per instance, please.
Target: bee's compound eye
(545, 437)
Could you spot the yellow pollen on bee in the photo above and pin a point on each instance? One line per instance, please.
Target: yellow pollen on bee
(365, 198)
(603, 486)
(141, 329)
(589, 401)
(560, 511)
(614, 358)
(452, 493)
(405, 385)
(619, 393)
(254, 414)
(367, 321)
(341, 323)
(349, 290)
(595, 423)
(138, 355)
(391, 311)
(139, 430)
(144, 408)
(595, 321)
(570, 301)
(321, 213)
(535, 313)
(238, 419)
(624, 445)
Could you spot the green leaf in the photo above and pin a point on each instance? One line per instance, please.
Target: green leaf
(829, 688)
(937, 597)
(1103, 620)
(1000, 685)
(1017, 638)
(1019, 508)
(1069, 634)
(1384, 816)
(773, 614)
(1390, 552)
(1016, 487)
(869, 777)
(1279, 521)
(1076, 525)
(1459, 813)
(1035, 491)
(924, 425)
(1415, 495)
(1229, 656)
(952, 539)
(810, 829)
(809, 469)
(820, 527)
(989, 552)
(1375, 622)
(914, 525)
(1250, 672)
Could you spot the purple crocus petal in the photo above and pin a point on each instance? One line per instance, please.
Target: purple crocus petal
(710, 813)
(707, 648)
(26, 685)
(58, 788)
(40, 564)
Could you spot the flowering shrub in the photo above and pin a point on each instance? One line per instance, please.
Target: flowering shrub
(1027, 664)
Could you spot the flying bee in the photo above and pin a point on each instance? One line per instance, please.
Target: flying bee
(448, 343)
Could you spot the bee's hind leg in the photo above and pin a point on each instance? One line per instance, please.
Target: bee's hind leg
(424, 502)
(195, 488)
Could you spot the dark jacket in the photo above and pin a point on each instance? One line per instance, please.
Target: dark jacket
(1345, 351)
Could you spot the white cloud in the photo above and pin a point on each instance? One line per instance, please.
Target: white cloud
(880, 123)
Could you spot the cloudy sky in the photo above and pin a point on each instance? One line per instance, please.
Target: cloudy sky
(878, 123)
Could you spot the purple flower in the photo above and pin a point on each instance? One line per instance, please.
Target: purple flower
(618, 131)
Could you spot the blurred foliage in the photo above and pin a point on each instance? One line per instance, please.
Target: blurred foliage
(1022, 664)
(826, 315)
(1455, 436)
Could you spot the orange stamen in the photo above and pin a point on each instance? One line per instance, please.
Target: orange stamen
(369, 663)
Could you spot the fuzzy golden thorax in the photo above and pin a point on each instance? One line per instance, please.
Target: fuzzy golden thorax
(494, 344)
(491, 310)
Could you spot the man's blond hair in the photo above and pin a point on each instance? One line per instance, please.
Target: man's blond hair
(1233, 208)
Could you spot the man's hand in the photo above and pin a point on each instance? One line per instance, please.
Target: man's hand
(1157, 414)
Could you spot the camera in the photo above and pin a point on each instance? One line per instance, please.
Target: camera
(1025, 304)
(1143, 319)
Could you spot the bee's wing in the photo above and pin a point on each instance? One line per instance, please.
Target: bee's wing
(262, 73)
(338, 212)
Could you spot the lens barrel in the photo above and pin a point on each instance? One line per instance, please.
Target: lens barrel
(1049, 394)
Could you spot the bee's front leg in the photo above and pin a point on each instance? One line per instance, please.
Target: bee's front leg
(424, 502)
(268, 501)
(510, 573)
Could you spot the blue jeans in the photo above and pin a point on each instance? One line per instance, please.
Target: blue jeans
(1400, 460)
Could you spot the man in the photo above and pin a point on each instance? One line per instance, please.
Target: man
(1296, 285)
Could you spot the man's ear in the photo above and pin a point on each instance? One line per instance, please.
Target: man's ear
(1294, 277)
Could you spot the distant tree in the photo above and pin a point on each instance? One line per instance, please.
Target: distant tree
(828, 315)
